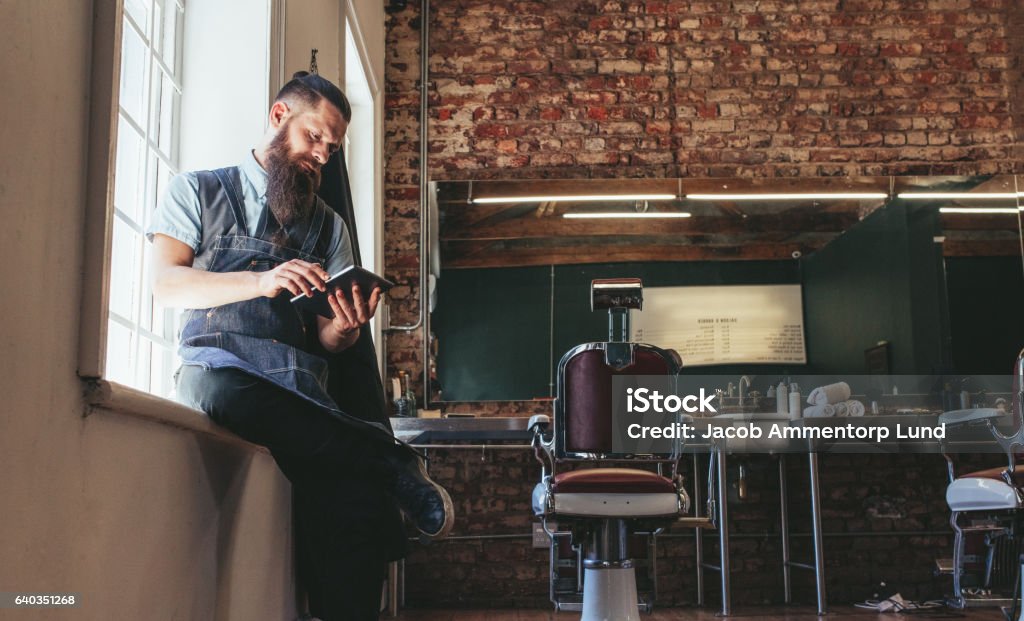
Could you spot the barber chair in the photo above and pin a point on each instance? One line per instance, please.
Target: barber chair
(986, 511)
(593, 511)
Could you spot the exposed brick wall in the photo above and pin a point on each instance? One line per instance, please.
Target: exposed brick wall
(712, 88)
(491, 492)
(1016, 76)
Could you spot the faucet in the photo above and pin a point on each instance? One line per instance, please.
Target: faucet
(744, 385)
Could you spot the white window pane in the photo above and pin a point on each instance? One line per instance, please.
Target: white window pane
(172, 19)
(142, 367)
(124, 270)
(129, 185)
(151, 185)
(158, 32)
(163, 177)
(146, 302)
(139, 11)
(134, 75)
(166, 100)
(120, 354)
(161, 370)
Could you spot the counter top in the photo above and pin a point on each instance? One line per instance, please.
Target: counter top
(421, 431)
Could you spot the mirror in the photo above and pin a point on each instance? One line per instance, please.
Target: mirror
(922, 271)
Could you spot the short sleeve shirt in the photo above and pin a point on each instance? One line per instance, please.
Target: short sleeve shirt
(178, 214)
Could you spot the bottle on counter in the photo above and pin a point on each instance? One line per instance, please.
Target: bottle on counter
(782, 398)
(410, 396)
(795, 409)
(400, 401)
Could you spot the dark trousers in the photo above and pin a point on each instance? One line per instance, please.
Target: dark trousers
(347, 524)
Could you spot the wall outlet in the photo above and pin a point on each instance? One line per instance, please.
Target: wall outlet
(540, 538)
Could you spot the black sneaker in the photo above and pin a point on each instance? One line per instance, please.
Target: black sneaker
(425, 502)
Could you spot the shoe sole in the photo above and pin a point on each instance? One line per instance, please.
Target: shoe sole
(449, 508)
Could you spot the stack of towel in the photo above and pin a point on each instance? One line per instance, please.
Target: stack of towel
(832, 400)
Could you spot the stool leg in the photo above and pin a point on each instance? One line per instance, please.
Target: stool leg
(699, 532)
(819, 552)
(393, 589)
(787, 583)
(958, 561)
(723, 531)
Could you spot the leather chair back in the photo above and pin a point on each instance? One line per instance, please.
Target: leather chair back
(583, 403)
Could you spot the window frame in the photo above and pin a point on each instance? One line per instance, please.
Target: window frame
(152, 328)
(349, 23)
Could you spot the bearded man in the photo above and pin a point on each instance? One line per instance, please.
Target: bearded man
(232, 246)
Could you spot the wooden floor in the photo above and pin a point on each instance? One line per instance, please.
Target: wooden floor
(754, 613)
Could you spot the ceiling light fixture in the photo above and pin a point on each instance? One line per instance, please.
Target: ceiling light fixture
(793, 196)
(576, 198)
(629, 214)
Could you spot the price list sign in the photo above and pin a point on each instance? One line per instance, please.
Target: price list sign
(760, 324)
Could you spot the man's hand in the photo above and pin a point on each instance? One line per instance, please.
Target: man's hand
(297, 276)
(342, 331)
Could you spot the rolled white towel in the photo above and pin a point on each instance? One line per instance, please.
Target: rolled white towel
(833, 393)
(841, 408)
(854, 408)
(819, 411)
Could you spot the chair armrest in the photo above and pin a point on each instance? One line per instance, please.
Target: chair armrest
(540, 426)
(541, 422)
(961, 418)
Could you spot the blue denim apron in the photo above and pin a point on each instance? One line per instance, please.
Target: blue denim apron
(264, 337)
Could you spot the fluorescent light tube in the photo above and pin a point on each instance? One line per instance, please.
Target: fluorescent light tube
(788, 196)
(579, 198)
(956, 195)
(1007, 210)
(628, 214)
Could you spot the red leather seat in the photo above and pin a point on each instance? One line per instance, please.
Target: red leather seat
(611, 481)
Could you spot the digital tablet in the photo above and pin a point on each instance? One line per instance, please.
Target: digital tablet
(367, 280)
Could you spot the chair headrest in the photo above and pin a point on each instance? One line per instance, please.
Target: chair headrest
(616, 293)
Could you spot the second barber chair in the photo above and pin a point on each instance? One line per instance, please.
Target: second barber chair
(988, 510)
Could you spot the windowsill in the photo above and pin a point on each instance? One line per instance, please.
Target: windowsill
(106, 396)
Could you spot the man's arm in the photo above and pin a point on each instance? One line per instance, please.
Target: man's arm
(177, 284)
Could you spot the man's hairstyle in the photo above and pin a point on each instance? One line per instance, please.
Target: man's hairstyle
(309, 88)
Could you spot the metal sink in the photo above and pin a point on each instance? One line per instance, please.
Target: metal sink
(747, 415)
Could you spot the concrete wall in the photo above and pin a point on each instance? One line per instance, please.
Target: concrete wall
(314, 24)
(141, 519)
(218, 128)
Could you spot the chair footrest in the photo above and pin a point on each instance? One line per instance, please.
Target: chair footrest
(694, 522)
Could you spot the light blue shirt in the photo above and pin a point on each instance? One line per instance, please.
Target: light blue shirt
(178, 214)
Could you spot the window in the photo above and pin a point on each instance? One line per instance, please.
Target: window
(362, 154)
(140, 335)
(360, 147)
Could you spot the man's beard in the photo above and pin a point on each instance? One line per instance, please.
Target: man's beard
(291, 189)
